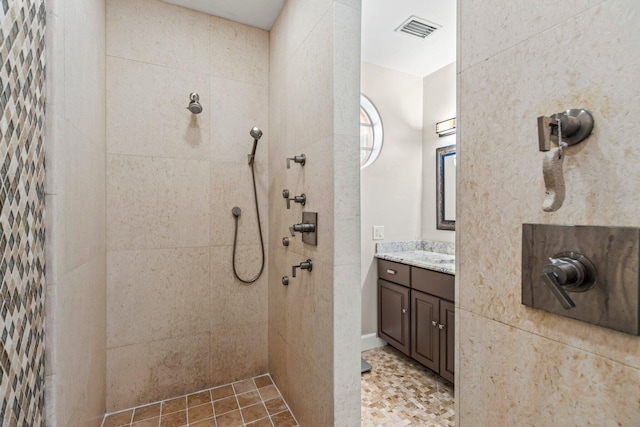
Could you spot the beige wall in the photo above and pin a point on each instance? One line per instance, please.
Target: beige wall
(518, 365)
(314, 327)
(75, 187)
(439, 100)
(177, 320)
(391, 187)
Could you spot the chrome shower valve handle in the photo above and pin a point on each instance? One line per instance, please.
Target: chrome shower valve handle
(568, 272)
(302, 199)
(301, 159)
(305, 265)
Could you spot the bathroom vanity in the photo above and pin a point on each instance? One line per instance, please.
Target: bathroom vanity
(415, 306)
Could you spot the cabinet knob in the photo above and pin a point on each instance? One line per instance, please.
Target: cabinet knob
(441, 326)
(434, 323)
(404, 311)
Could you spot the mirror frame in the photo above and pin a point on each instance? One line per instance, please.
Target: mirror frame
(441, 153)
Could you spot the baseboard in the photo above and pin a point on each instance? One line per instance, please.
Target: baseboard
(369, 341)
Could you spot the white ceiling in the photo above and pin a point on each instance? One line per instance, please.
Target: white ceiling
(381, 45)
(257, 13)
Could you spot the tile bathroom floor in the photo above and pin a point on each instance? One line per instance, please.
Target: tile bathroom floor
(255, 402)
(399, 391)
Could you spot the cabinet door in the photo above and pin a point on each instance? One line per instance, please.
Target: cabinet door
(393, 318)
(447, 344)
(425, 335)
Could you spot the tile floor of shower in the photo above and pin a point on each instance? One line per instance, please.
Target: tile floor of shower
(397, 392)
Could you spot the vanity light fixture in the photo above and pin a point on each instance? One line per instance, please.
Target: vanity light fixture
(446, 127)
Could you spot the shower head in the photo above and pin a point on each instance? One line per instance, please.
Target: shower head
(194, 104)
(255, 133)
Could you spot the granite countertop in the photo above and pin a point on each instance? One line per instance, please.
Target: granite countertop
(419, 254)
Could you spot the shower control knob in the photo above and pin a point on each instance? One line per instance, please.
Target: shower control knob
(568, 272)
(302, 199)
(305, 265)
(302, 228)
(285, 241)
(285, 280)
(301, 159)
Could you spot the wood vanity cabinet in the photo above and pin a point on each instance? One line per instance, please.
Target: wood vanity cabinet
(394, 304)
(416, 314)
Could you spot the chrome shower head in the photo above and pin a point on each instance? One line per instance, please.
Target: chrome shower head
(194, 104)
(255, 133)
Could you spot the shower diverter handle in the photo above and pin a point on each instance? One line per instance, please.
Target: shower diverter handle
(568, 273)
(301, 159)
(302, 228)
(304, 265)
(302, 199)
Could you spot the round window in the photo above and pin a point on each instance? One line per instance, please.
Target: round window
(371, 133)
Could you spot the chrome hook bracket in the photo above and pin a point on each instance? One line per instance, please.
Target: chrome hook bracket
(576, 124)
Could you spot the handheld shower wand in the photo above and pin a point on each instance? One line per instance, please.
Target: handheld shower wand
(256, 134)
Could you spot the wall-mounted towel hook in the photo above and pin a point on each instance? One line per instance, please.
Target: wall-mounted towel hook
(567, 128)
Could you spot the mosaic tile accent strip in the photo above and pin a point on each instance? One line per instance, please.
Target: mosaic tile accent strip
(255, 402)
(399, 391)
(22, 80)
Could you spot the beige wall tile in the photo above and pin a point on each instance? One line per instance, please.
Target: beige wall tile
(180, 194)
(77, 332)
(542, 377)
(304, 78)
(505, 27)
(157, 294)
(318, 411)
(157, 203)
(55, 59)
(151, 371)
(75, 213)
(238, 353)
(346, 370)
(239, 52)
(236, 107)
(231, 185)
(520, 81)
(84, 199)
(84, 69)
(347, 67)
(234, 303)
(147, 114)
(309, 94)
(157, 32)
(585, 166)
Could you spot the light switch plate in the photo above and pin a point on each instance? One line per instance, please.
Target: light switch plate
(378, 232)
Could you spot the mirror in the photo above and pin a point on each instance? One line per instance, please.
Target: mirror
(446, 187)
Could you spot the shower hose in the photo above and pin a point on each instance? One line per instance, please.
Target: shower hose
(235, 233)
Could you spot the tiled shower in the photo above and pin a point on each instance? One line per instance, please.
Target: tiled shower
(141, 304)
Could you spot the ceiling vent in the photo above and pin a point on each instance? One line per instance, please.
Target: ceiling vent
(418, 27)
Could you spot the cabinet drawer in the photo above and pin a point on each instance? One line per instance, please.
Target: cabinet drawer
(394, 272)
(433, 282)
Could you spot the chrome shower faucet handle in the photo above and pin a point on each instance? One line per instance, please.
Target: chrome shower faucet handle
(302, 199)
(302, 159)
